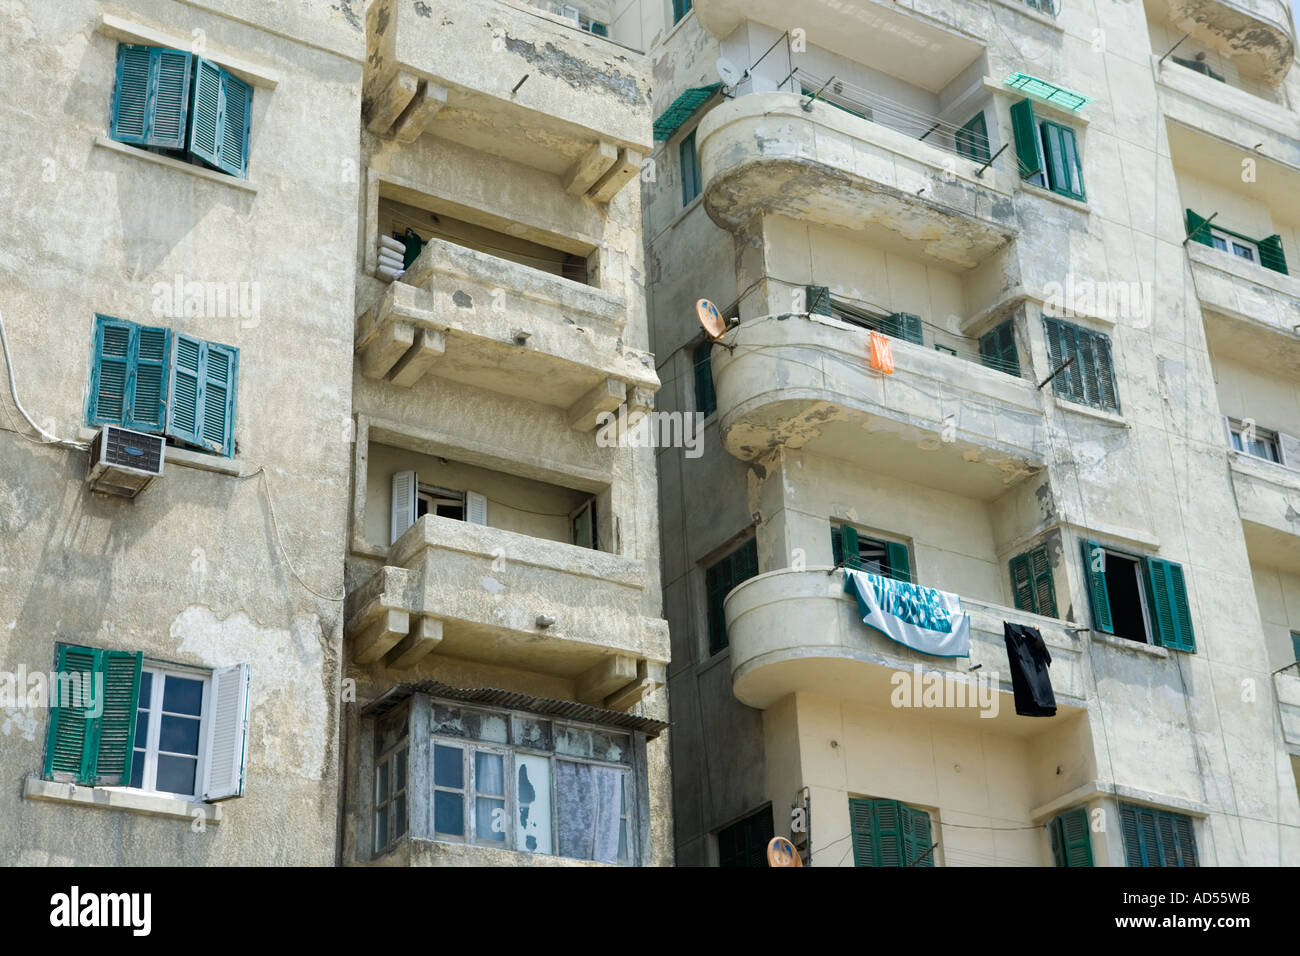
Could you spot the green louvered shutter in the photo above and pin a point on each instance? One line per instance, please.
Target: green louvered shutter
(116, 733)
(110, 368)
(236, 114)
(130, 116)
(1071, 839)
(817, 299)
(877, 832)
(1197, 231)
(1133, 855)
(1186, 838)
(169, 98)
(205, 112)
(972, 140)
(184, 408)
(1094, 575)
(1061, 347)
(706, 401)
(845, 546)
(1271, 255)
(1170, 614)
(1022, 588)
(900, 568)
(1044, 589)
(1157, 837)
(1025, 129)
(719, 579)
(907, 326)
(147, 382)
(1064, 174)
(220, 377)
(69, 754)
(998, 349)
(915, 826)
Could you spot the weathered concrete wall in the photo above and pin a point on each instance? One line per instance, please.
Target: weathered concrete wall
(192, 572)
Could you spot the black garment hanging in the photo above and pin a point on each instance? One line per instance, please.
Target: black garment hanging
(1030, 681)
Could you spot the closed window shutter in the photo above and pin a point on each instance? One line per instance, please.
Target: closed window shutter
(900, 568)
(236, 114)
(116, 732)
(1157, 837)
(1022, 589)
(202, 394)
(205, 112)
(111, 363)
(185, 393)
(877, 832)
(846, 546)
(706, 401)
(1271, 255)
(403, 508)
(906, 326)
(67, 754)
(1133, 855)
(1186, 837)
(146, 409)
(227, 742)
(817, 300)
(1107, 397)
(915, 825)
(719, 580)
(1025, 129)
(1061, 347)
(1090, 378)
(151, 96)
(998, 349)
(220, 377)
(85, 747)
(1171, 616)
(972, 140)
(1094, 575)
(1197, 231)
(1071, 839)
(1043, 588)
(475, 508)
(130, 114)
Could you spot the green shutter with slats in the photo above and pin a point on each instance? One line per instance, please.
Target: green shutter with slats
(146, 411)
(1094, 576)
(151, 96)
(706, 400)
(92, 722)
(899, 566)
(205, 113)
(1090, 378)
(972, 139)
(906, 326)
(1072, 839)
(916, 836)
(236, 114)
(1032, 586)
(1271, 255)
(1197, 230)
(1064, 172)
(817, 300)
(184, 408)
(719, 580)
(220, 368)
(1025, 130)
(1155, 837)
(1171, 618)
(1022, 589)
(998, 348)
(201, 403)
(845, 546)
(889, 833)
(128, 377)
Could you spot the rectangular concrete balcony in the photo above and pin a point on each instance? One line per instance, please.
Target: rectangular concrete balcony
(513, 80)
(798, 632)
(763, 154)
(482, 594)
(1268, 500)
(804, 382)
(473, 318)
(1251, 312)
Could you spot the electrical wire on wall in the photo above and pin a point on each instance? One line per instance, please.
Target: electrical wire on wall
(49, 439)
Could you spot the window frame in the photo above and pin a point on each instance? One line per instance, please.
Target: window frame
(1064, 383)
(706, 395)
(974, 145)
(874, 537)
(150, 752)
(1231, 240)
(1265, 437)
(692, 175)
(1135, 811)
(758, 857)
(717, 639)
(680, 9)
(387, 807)
(1071, 159)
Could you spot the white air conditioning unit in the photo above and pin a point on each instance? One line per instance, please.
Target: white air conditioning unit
(123, 462)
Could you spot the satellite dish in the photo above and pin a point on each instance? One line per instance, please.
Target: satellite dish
(715, 326)
(728, 73)
(781, 852)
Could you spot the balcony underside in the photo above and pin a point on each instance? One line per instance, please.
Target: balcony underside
(1260, 30)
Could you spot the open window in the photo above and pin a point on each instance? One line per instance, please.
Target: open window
(1138, 598)
(861, 552)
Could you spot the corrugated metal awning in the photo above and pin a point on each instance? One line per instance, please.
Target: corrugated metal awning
(671, 119)
(510, 700)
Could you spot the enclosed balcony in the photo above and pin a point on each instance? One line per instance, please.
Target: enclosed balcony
(511, 80)
(474, 318)
(764, 154)
(804, 382)
(798, 632)
(1257, 31)
(478, 593)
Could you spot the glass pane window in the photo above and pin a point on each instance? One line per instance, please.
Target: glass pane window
(449, 790)
(390, 798)
(490, 821)
(533, 804)
(1241, 248)
(1259, 442)
(169, 732)
(589, 805)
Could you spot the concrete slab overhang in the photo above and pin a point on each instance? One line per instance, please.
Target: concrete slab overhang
(1268, 500)
(763, 154)
(1260, 30)
(512, 80)
(804, 382)
(477, 593)
(1250, 313)
(798, 632)
(473, 318)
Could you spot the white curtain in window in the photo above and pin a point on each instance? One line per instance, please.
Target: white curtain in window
(589, 800)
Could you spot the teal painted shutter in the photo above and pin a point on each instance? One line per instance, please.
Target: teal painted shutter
(116, 733)
(1295, 645)
(184, 411)
(205, 113)
(877, 832)
(907, 326)
(1170, 614)
(1271, 255)
(1044, 590)
(1186, 837)
(848, 547)
(147, 381)
(110, 367)
(236, 114)
(899, 567)
(817, 300)
(1133, 855)
(220, 377)
(972, 140)
(1064, 174)
(1025, 129)
(1157, 837)
(169, 98)
(1096, 370)
(739, 566)
(915, 825)
(130, 112)
(1061, 347)
(706, 400)
(1022, 589)
(1197, 231)
(689, 161)
(998, 349)
(67, 756)
(1095, 579)
(1071, 839)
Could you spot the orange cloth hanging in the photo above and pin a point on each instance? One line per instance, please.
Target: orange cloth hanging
(882, 358)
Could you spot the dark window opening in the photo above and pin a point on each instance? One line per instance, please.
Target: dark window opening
(1124, 590)
(744, 843)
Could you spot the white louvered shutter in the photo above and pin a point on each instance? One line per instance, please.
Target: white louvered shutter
(223, 775)
(475, 508)
(406, 488)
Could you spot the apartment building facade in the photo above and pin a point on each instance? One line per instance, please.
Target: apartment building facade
(162, 164)
(1070, 225)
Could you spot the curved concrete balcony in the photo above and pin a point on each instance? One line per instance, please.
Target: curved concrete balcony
(512, 80)
(478, 593)
(937, 420)
(763, 154)
(798, 632)
(1261, 29)
(1268, 500)
(472, 318)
